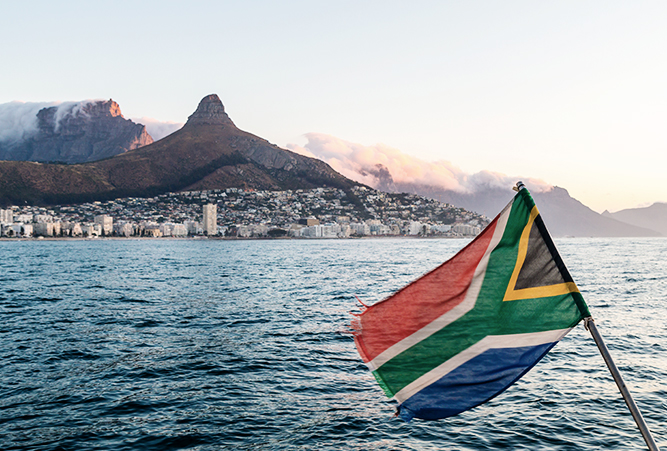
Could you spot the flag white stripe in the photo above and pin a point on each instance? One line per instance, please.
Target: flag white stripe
(488, 342)
(455, 313)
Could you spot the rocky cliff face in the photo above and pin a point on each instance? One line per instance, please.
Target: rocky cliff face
(78, 133)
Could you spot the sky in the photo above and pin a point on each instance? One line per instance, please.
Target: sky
(571, 93)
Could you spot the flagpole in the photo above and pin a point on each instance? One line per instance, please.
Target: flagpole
(589, 323)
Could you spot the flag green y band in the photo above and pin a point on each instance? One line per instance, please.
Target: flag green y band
(466, 331)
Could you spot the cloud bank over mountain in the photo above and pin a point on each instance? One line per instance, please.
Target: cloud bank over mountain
(156, 128)
(389, 169)
(67, 132)
(18, 120)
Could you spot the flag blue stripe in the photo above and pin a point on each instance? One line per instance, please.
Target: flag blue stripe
(473, 383)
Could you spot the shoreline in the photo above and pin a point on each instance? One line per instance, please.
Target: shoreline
(216, 238)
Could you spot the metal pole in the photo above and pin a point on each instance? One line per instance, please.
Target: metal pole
(627, 397)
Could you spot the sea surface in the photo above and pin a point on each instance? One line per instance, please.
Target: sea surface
(244, 345)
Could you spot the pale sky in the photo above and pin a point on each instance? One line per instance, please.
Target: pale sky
(570, 92)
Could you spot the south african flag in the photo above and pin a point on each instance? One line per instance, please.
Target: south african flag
(466, 331)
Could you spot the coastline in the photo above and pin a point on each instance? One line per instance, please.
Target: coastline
(216, 238)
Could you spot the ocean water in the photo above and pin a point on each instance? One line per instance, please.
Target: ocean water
(243, 345)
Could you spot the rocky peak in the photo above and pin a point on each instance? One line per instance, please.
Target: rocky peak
(210, 111)
(108, 108)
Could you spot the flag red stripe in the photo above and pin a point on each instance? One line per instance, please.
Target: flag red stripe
(386, 323)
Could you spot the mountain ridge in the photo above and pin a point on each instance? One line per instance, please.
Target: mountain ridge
(563, 214)
(654, 216)
(208, 152)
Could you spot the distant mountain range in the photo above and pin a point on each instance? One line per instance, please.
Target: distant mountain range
(209, 152)
(563, 215)
(77, 133)
(653, 217)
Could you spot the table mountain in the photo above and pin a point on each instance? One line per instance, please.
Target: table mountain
(209, 152)
(77, 133)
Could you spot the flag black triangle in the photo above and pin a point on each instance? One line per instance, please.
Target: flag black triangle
(539, 271)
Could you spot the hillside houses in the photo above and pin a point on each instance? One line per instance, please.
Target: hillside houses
(316, 213)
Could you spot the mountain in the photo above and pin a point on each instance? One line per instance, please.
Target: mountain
(564, 215)
(209, 152)
(78, 133)
(653, 217)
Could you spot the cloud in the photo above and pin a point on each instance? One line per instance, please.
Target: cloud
(381, 166)
(158, 129)
(72, 109)
(18, 120)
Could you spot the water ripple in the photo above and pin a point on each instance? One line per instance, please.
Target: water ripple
(193, 344)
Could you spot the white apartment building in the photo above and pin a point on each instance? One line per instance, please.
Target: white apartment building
(165, 229)
(179, 230)
(295, 230)
(380, 229)
(46, 229)
(6, 216)
(330, 230)
(415, 228)
(194, 228)
(312, 231)
(23, 218)
(124, 229)
(91, 230)
(106, 223)
(466, 230)
(26, 229)
(210, 219)
(360, 228)
(441, 228)
(74, 229)
(12, 230)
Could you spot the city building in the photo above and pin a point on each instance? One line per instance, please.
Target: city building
(23, 218)
(317, 213)
(106, 223)
(309, 222)
(45, 229)
(179, 230)
(466, 230)
(6, 216)
(211, 219)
